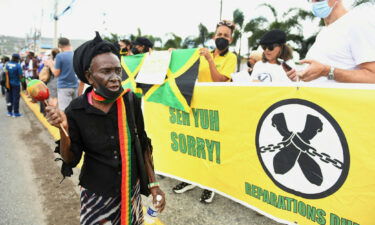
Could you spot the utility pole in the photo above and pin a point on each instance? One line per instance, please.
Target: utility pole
(55, 17)
(221, 9)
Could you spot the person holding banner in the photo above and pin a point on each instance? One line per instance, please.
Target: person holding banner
(344, 48)
(125, 47)
(141, 45)
(254, 57)
(275, 57)
(218, 65)
(215, 66)
(106, 123)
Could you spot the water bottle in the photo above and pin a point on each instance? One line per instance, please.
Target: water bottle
(152, 212)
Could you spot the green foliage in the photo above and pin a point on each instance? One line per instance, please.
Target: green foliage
(289, 22)
(174, 42)
(203, 35)
(112, 38)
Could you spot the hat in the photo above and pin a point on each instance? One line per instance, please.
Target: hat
(16, 56)
(273, 37)
(87, 51)
(143, 41)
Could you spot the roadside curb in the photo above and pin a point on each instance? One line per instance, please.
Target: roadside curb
(34, 107)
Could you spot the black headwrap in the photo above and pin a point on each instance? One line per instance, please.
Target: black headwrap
(87, 51)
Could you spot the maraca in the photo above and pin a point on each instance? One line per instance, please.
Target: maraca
(40, 92)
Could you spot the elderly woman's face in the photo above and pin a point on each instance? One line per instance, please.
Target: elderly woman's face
(106, 71)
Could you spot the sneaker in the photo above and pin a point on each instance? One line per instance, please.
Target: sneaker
(207, 196)
(182, 187)
(9, 114)
(17, 115)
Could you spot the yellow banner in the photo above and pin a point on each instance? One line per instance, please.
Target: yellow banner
(294, 154)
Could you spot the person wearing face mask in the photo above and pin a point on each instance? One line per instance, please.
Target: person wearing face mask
(275, 52)
(125, 47)
(103, 123)
(218, 65)
(344, 48)
(141, 45)
(215, 66)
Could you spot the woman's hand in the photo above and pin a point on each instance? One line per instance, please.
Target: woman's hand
(206, 53)
(157, 191)
(55, 116)
(292, 74)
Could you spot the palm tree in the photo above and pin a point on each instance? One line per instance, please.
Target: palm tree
(257, 28)
(289, 22)
(238, 19)
(203, 36)
(174, 42)
(189, 42)
(114, 38)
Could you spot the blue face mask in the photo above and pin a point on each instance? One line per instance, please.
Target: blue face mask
(321, 9)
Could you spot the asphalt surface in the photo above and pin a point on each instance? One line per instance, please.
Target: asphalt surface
(20, 203)
(185, 209)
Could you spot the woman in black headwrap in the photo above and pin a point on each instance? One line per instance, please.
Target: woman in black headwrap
(100, 123)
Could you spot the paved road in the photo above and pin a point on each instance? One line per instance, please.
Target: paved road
(19, 199)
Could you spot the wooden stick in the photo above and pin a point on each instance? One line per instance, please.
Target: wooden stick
(61, 126)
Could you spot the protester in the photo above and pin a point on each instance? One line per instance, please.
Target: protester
(125, 47)
(52, 82)
(97, 122)
(32, 65)
(4, 61)
(62, 68)
(14, 73)
(216, 66)
(275, 53)
(254, 57)
(141, 45)
(1, 77)
(344, 48)
(24, 66)
(219, 64)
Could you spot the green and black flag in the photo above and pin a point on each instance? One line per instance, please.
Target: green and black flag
(131, 66)
(177, 90)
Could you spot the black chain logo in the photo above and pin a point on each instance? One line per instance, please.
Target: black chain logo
(292, 154)
(296, 148)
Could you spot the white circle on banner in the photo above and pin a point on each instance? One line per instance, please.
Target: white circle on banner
(302, 148)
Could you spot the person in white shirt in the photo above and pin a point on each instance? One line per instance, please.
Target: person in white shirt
(254, 57)
(275, 53)
(344, 50)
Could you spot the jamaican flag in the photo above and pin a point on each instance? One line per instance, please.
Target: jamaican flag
(177, 89)
(131, 66)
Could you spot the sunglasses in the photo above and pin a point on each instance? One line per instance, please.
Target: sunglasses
(227, 23)
(270, 47)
